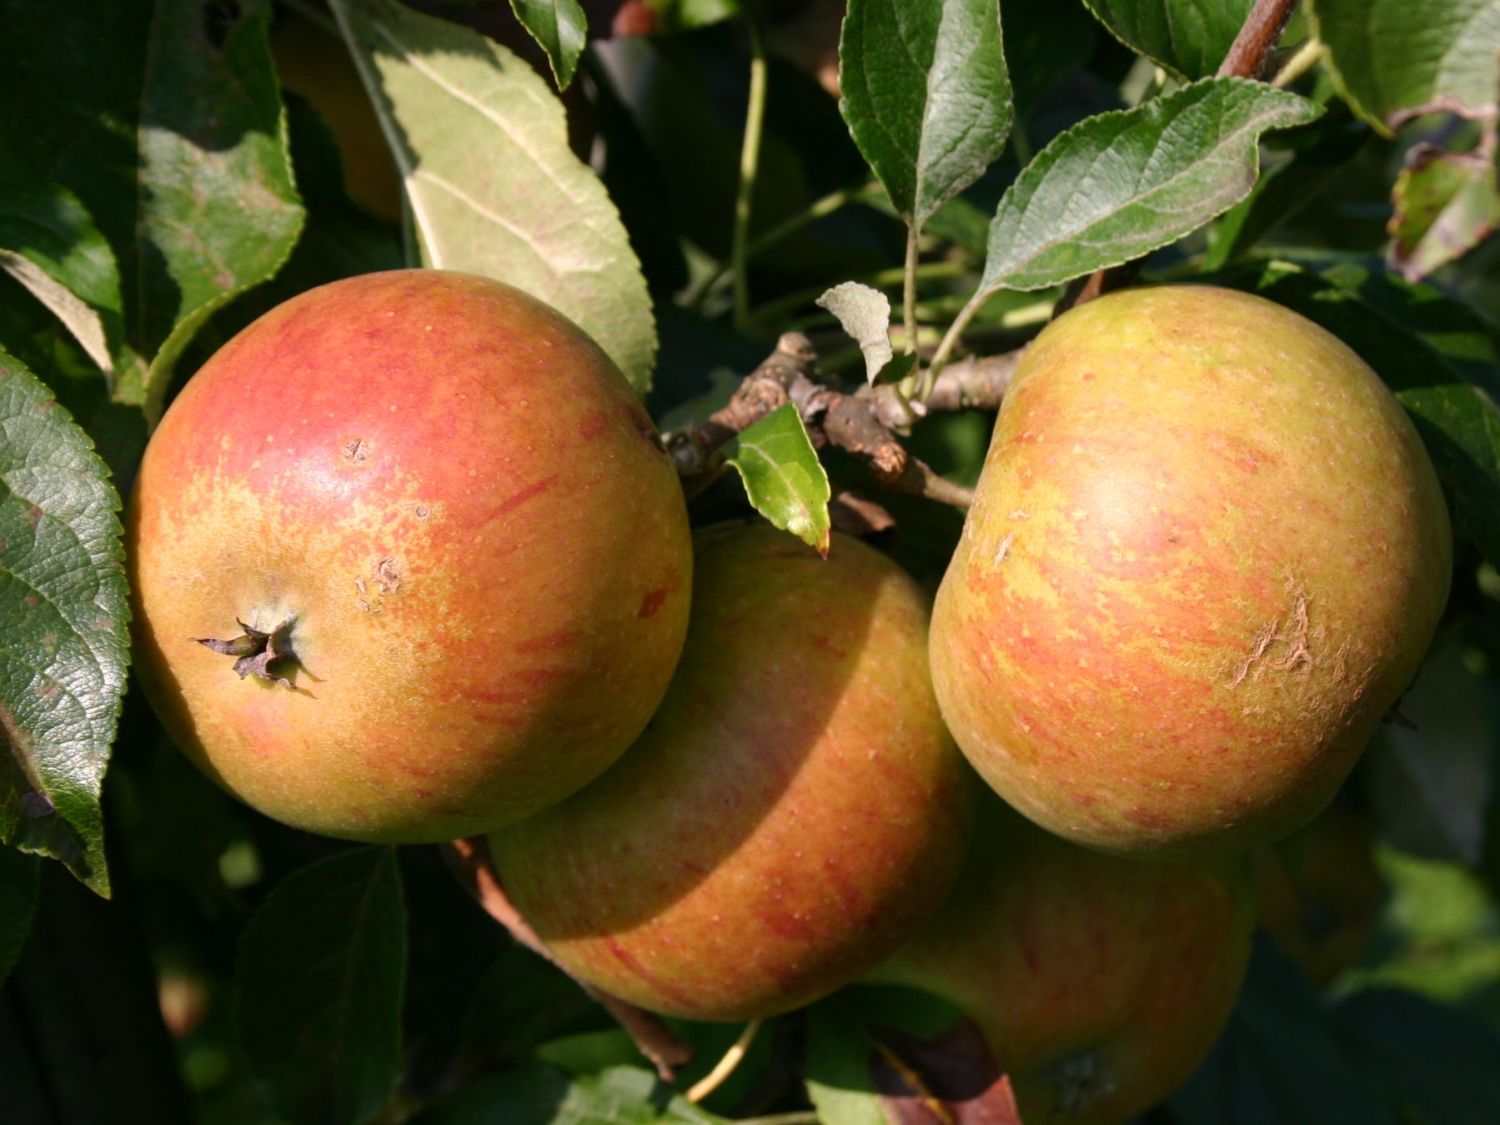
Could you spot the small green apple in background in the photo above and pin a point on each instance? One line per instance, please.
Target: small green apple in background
(1100, 983)
(461, 553)
(1320, 893)
(1206, 554)
(793, 812)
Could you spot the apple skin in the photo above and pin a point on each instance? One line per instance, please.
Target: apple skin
(1206, 554)
(1320, 892)
(794, 811)
(1099, 982)
(464, 508)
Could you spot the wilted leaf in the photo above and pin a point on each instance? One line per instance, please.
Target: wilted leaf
(1122, 184)
(63, 614)
(1188, 37)
(783, 477)
(926, 95)
(560, 29)
(494, 188)
(1446, 203)
(1391, 58)
(865, 315)
(18, 894)
(318, 987)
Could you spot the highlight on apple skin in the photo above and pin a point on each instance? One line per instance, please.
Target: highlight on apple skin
(1206, 555)
(439, 532)
(794, 811)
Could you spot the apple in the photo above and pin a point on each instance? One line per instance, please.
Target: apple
(1206, 554)
(1099, 982)
(1320, 893)
(793, 812)
(458, 555)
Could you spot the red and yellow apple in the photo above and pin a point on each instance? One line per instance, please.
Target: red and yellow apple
(459, 553)
(1207, 552)
(793, 812)
(1099, 982)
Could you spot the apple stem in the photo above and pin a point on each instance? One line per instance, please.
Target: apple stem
(725, 1066)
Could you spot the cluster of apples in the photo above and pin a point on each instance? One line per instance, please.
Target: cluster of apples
(410, 563)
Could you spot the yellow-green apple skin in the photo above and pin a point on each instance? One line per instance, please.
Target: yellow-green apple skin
(794, 811)
(1099, 982)
(464, 511)
(1206, 554)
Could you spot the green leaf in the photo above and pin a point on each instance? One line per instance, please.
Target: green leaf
(1188, 37)
(1446, 203)
(865, 316)
(318, 987)
(838, 1069)
(1393, 58)
(164, 120)
(1458, 420)
(783, 476)
(530, 1094)
(926, 95)
(217, 203)
(64, 616)
(1430, 783)
(627, 1095)
(560, 28)
(1439, 933)
(48, 242)
(1319, 154)
(1122, 184)
(1434, 1061)
(494, 189)
(1278, 1061)
(18, 895)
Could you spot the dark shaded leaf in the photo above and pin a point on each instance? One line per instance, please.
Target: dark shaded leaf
(318, 987)
(1188, 37)
(1279, 1061)
(18, 895)
(1436, 1062)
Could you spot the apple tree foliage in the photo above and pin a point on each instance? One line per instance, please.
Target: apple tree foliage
(676, 176)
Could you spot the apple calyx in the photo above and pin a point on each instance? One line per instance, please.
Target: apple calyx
(1080, 1079)
(255, 650)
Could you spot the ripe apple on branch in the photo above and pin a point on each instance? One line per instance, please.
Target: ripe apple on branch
(979, 640)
